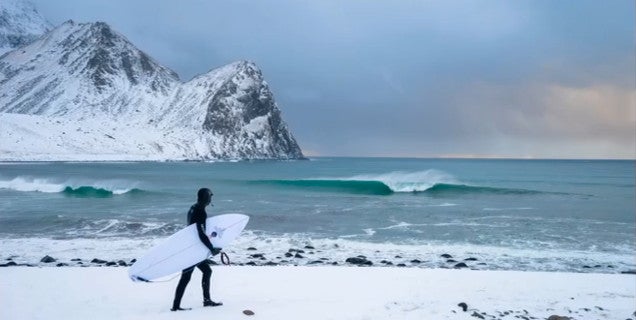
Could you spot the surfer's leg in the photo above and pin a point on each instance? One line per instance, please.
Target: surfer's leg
(205, 285)
(205, 279)
(183, 282)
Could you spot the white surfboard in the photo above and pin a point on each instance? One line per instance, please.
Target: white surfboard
(184, 248)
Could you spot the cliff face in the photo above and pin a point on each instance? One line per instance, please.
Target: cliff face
(85, 91)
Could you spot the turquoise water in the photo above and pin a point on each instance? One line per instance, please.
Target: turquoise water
(522, 214)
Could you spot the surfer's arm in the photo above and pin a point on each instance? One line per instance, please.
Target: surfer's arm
(204, 238)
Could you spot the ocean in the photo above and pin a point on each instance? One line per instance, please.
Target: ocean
(534, 215)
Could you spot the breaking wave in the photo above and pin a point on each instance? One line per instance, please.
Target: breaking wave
(432, 182)
(77, 189)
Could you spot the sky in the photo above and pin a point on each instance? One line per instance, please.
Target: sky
(485, 79)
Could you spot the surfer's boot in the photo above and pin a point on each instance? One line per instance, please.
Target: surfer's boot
(210, 303)
(179, 309)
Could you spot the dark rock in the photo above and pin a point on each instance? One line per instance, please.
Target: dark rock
(76, 259)
(477, 315)
(98, 261)
(629, 272)
(463, 305)
(61, 265)
(251, 249)
(398, 257)
(401, 265)
(9, 259)
(251, 263)
(446, 256)
(122, 263)
(9, 264)
(461, 265)
(296, 250)
(587, 267)
(48, 259)
(288, 255)
(257, 255)
(270, 263)
(334, 263)
(597, 307)
(310, 247)
(298, 255)
(470, 259)
(133, 261)
(389, 263)
(451, 261)
(316, 262)
(416, 261)
(556, 317)
(111, 263)
(359, 261)
(324, 259)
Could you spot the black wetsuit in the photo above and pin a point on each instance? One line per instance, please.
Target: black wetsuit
(196, 215)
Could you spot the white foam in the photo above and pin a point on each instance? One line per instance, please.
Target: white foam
(51, 185)
(27, 184)
(400, 181)
(530, 256)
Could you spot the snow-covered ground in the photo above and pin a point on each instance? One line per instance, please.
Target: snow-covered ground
(318, 293)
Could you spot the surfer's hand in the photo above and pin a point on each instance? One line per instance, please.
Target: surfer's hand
(215, 251)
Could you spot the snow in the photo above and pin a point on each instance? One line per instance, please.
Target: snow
(317, 293)
(57, 104)
(19, 19)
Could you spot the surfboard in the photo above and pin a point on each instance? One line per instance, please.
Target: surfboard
(184, 248)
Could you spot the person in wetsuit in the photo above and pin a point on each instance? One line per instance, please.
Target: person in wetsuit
(197, 215)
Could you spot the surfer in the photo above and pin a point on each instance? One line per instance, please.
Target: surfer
(197, 215)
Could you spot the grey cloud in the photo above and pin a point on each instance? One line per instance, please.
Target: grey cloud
(393, 78)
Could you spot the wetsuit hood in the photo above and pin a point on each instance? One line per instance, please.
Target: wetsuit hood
(204, 196)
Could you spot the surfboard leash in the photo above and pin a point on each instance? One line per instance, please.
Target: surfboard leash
(225, 259)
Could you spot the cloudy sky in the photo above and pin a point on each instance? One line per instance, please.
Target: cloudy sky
(539, 79)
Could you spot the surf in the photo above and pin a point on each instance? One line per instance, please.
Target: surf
(430, 182)
(374, 184)
(99, 189)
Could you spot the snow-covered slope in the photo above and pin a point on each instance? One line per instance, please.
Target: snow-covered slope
(20, 24)
(84, 92)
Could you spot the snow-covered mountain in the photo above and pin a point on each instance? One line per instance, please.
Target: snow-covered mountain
(20, 24)
(84, 92)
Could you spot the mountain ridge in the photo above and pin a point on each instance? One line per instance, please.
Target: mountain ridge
(81, 72)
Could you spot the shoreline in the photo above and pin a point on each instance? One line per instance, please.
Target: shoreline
(295, 258)
(122, 253)
(285, 292)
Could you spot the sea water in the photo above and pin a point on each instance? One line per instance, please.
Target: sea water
(554, 215)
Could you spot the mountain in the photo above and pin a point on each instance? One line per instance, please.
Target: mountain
(20, 24)
(84, 92)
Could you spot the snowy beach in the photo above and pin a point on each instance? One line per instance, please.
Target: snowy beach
(318, 293)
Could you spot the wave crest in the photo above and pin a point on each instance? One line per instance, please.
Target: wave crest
(80, 189)
(432, 182)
